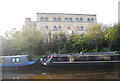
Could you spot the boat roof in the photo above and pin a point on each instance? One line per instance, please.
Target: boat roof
(89, 54)
(15, 56)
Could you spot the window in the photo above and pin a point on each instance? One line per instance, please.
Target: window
(92, 20)
(34, 25)
(115, 57)
(82, 58)
(68, 27)
(55, 59)
(88, 20)
(59, 28)
(93, 58)
(54, 19)
(70, 19)
(81, 19)
(15, 59)
(81, 28)
(78, 28)
(59, 19)
(46, 27)
(41, 19)
(63, 59)
(66, 19)
(46, 19)
(2, 60)
(60, 59)
(77, 19)
(107, 58)
(55, 28)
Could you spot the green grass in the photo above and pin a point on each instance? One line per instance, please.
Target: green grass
(36, 57)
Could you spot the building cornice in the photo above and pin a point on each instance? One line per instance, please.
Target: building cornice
(68, 14)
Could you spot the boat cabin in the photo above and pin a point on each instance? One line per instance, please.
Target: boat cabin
(85, 58)
(17, 60)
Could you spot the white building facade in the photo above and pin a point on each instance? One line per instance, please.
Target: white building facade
(119, 12)
(60, 22)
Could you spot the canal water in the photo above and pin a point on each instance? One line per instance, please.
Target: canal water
(63, 73)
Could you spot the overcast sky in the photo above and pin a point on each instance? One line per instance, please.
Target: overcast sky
(14, 12)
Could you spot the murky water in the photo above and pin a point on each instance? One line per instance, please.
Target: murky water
(62, 73)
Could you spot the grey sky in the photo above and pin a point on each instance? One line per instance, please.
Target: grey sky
(14, 12)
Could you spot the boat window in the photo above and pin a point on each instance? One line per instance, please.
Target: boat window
(107, 58)
(118, 57)
(15, 59)
(63, 59)
(2, 60)
(93, 58)
(104, 58)
(55, 59)
(115, 57)
(60, 59)
(82, 58)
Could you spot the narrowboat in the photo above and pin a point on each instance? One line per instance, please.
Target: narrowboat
(83, 60)
(16, 61)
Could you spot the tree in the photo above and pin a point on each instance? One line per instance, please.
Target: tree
(78, 40)
(112, 36)
(117, 33)
(95, 34)
(27, 40)
(108, 35)
(59, 42)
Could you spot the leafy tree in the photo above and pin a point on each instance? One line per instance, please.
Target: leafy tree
(78, 40)
(109, 36)
(117, 33)
(95, 34)
(27, 40)
(112, 36)
(58, 41)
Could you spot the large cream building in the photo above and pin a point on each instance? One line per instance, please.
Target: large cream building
(119, 12)
(60, 22)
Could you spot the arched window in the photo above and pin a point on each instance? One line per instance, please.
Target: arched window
(41, 19)
(46, 27)
(59, 27)
(68, 27)
(78, 28)
(77, 19)
(34, 24)
(88, 20)
(46, 19)
(81, 28)
(81, 19)
(92, 20)
(70, 19)
(59, 19)
(55, 28)
(66, 19)
(54, 19)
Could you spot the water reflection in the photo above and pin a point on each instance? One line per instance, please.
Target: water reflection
(69, 73)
